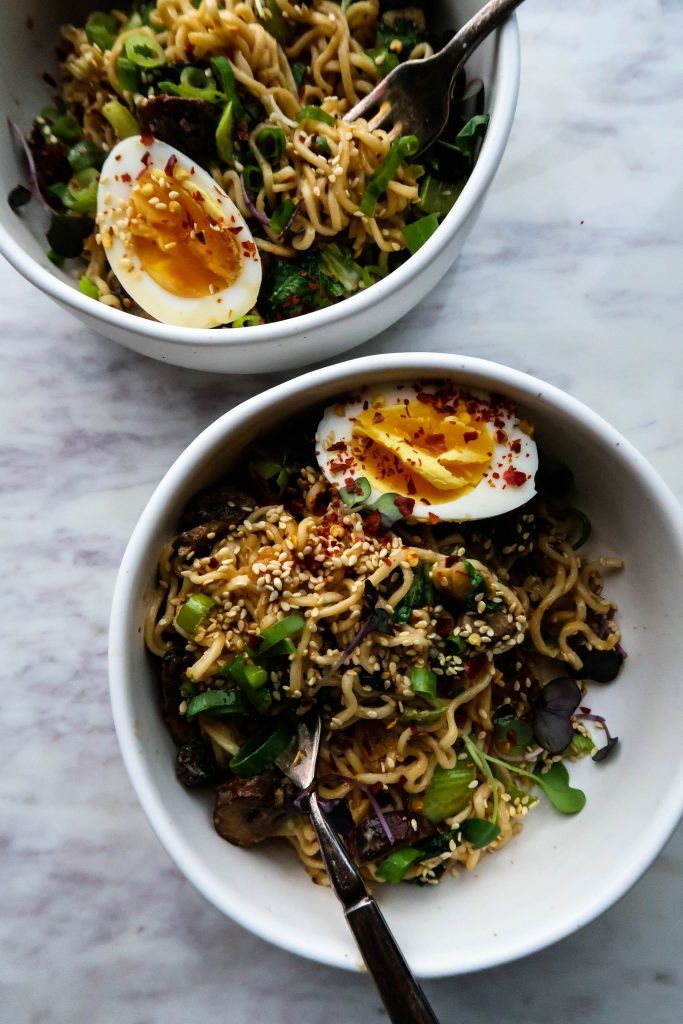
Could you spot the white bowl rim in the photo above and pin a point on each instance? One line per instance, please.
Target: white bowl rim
(638, 855)
(495, 141)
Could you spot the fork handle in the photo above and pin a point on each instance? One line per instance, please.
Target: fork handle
(403, 999)
(464, 42)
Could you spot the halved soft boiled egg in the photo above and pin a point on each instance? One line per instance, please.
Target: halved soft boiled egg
(456, 454)
(175, 240)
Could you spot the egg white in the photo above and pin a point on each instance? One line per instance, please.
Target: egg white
(127, 161)
(490, 497)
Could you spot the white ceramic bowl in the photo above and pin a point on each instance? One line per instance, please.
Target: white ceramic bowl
(561, 871)
(25, 54)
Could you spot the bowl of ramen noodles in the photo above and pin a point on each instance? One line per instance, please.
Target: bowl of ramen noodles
(180, 176)
(446, 561)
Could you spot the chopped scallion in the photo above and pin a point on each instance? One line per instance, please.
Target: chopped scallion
(401, 148)
(88, 287)
(396, 865)
(423, 682)
(144, 51)
(194, 611)
(121, 119)
(416, 234)
(315, 114)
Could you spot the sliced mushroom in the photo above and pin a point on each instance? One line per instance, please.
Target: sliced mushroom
(174, 666)
(187, 124)
(375, 740)
(209, 516)
(195, 764)
(247, 811)
(369, 841)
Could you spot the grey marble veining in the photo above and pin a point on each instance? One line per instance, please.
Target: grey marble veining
(573, 273)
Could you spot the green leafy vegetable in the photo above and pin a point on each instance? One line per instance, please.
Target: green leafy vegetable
(273, 21)
(298, 286)
(438, 196)
(384, 60)
(370, 274)
(128, 74)
(404, 33)
(402, 148)
(480, 761)
(340, 265)
(509, 729)
(470, 133)
(420, 594)
(323, 146)
(449, 791)
(282, 216)
(396, 865)
(298, 73)
(416, 233)
(479, 832)
(434, 845)
(66, 128)
(355, 496)
(101, 30)
(554, 783)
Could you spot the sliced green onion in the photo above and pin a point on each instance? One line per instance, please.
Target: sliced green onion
(253, 178)
(299, 72)
(272, 142)
(194, 611)
(479, 832)
(384, 60)
(438, 196)
(423, 682)
(121, 119)
(55, 257)
(322, 144)
(128, 75)
(416, 234)
(449, 791)
(423, 715)
(282, 216)
(259, 753)
(371, 274)
(315, 114)
(284, 629)
(248, 320)
(281, 649)
(250, 682)
(217, 702)
(88, 287)
(222, 69)
(396, 865)
(400, 149)
(66, 128)
(81, 191)
(224, 144)
(144, 51)
(358, 494)
(85, 154)
(101, 30)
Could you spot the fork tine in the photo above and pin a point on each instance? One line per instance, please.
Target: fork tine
(380, 117)
(364, 106)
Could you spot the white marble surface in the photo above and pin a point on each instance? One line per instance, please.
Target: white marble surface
(573, 273)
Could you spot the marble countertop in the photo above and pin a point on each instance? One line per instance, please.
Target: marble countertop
(573, 273)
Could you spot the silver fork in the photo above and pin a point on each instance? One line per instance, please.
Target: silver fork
(403, 999)
(415, 98)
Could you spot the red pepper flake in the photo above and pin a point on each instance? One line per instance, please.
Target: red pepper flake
(404, 505)
(378, 418)
(125, 177)
(516, 446)
(473, 666)
(338, 446)
(501, 436)
(338, 467)
(514, 477)
(146, 157)
(437, 441)
(376, 787)
(496, 476)
(433, 518)
(170, 165)
(198, 197)
(445, 625)
(470, 435)
(200, 237)
(410, 486)
(586, 711)
(146, 140)
(249, 248)
(499, 423)
(372, 523)
(235, 231)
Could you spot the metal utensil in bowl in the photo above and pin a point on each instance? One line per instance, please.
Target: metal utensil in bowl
(415, 98)
(404, 1000)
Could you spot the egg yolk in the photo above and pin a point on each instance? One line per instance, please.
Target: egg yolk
(180, 244)
(415, 450)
